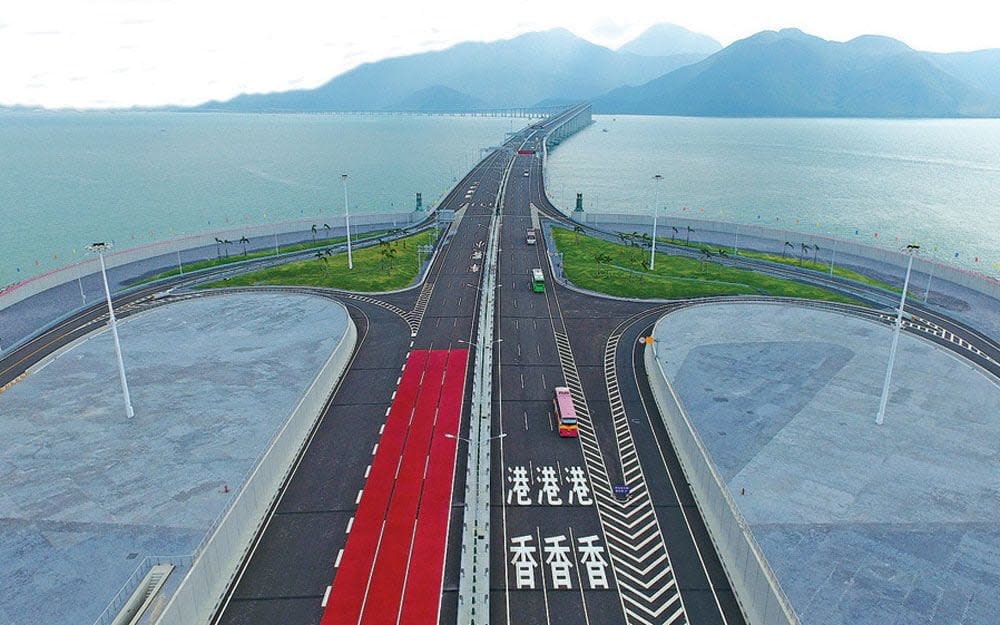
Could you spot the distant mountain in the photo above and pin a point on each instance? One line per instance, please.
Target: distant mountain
(792, 74)
(670, 39)
(981, 69)
(440, 98)
(515, 72)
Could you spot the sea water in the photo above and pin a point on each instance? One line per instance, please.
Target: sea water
(935, 183)
(68, 179)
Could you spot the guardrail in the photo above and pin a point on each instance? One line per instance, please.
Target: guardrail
(754, 583)
(474, 574)
(217, 560)
(132, 583)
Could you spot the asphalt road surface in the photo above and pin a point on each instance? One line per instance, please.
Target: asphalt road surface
(564, 547)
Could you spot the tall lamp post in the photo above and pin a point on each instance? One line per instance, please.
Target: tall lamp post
(880, 417)
(656, 210)
(99, 249)
(347, 220)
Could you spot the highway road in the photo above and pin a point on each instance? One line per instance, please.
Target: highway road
(344, 536)
(568, 551)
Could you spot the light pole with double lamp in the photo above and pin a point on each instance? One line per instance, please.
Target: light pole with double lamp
(656, 210)
(880, 417)
(347, 220)
(99, 249)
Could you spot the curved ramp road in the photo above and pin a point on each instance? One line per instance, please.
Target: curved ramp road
(598, 529)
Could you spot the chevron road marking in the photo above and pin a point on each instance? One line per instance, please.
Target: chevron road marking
(632, 533)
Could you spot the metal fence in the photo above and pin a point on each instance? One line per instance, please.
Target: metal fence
(755, 585)
(217, 560)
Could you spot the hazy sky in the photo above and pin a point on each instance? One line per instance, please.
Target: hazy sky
(109, 53)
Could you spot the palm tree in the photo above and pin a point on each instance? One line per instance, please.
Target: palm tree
(388, 254)
(321, 256)
(327, 228)
(623, 238)
(218, 252)
(705, 256)
(226, 242)
(314, 232)
(647, 240)
(785, 248)
(244, 241)
(803, 248)
(815, 253)
(674, 228)
(690, 230)
(577, 229)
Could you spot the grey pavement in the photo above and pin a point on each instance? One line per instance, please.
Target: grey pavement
(87, 494)
(863, 524)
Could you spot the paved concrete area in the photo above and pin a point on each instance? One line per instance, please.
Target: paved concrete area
(863, 524)
(86, 494)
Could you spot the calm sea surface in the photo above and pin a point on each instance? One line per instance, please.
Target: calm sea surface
(933, 182)
(67, 179)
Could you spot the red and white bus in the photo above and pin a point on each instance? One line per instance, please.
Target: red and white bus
(565, 413)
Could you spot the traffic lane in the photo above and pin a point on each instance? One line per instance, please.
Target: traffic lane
(697, 565)
(295, 553)
(520, 300)
(275, 578)
(525, 342)
(554, 567)
(274, 610)
(352, 423)
(444, 332)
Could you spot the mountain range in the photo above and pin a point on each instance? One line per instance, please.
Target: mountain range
(791, 74)
(667, 70)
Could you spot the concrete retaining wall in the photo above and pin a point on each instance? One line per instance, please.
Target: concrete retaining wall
(756, 588)
(218, 560)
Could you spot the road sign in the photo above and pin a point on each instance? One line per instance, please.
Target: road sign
(621, 491)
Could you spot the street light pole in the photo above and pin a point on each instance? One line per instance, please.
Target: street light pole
(656, 210)
(99, 249)
(880, 417)
(347, 220)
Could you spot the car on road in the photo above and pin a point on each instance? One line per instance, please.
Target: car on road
(529, 237)
(525, 172)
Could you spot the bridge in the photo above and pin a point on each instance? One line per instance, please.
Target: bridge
(437, 489)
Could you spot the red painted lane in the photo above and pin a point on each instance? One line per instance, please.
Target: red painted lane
(422, 592)
(384, 598)
(351, 582)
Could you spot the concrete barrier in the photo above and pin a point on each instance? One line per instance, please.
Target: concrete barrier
(217, 561)
(757, 590)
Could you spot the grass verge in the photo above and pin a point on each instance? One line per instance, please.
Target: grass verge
(791, 260)
(621, 270)
(382, 267)
(283, 249)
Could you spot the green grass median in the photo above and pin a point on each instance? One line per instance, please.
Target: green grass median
(383, 267)
(622, 270)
